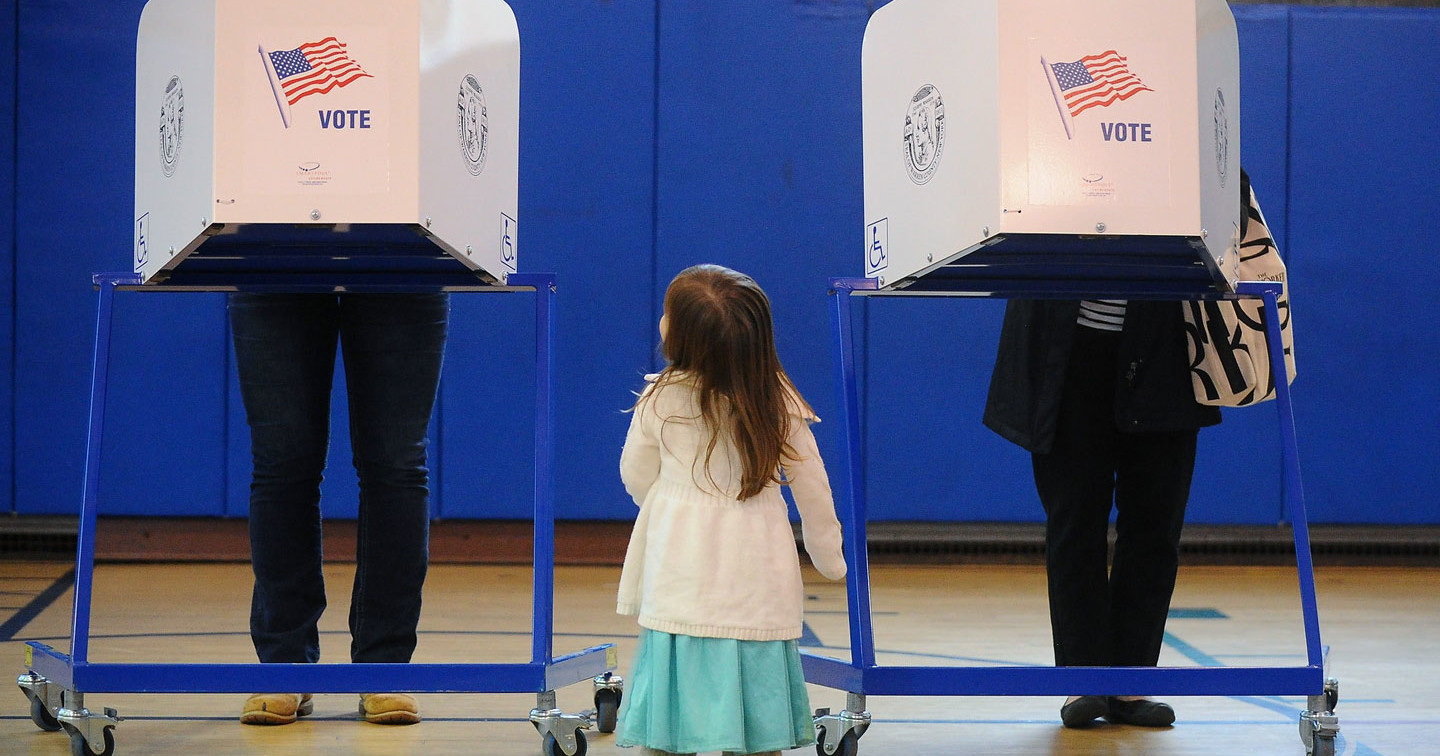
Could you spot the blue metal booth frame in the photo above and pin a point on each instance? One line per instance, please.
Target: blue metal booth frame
(1135, 268)
(375, 259)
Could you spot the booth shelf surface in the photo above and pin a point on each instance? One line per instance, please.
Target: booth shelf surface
(56, 682)
(839, 733)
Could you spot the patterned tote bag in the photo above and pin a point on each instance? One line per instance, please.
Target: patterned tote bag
(1229, 357)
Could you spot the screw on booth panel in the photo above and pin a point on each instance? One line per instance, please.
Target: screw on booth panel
(314, 215)
(1100, 228)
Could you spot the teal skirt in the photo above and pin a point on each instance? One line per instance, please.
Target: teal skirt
(689, 695)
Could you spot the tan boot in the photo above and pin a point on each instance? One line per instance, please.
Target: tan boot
(275, 708)
(389, 708)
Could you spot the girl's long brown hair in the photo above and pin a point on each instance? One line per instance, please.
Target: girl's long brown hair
(720, 337)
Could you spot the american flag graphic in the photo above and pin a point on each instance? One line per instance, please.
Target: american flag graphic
(315, 68)
(1096, 81)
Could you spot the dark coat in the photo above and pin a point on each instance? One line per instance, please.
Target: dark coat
(1153, 392)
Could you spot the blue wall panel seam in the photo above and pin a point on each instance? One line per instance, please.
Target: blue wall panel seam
(225, 436)
(1289, 113)
(14, 179)
(1282, 516)
(655, 188)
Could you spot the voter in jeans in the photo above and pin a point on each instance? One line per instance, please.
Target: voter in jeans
(285, 346)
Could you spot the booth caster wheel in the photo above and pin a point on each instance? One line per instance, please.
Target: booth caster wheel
(552, 746)
(41, 716)
(80, 747)
(607, 709)
(1318, 732)
(45, 699)
(849, 745)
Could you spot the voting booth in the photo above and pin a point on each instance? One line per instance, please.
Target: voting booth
(1034, 140)
(274, 128)
(1051, 149)
(326, 146)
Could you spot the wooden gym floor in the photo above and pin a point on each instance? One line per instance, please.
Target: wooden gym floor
(1382, 623)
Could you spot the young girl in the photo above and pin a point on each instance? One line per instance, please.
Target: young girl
(711, 569)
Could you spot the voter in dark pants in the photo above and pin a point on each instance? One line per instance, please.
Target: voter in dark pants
(285, 346)
(1099, 392)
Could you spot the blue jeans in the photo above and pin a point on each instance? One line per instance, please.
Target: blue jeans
(393, 347)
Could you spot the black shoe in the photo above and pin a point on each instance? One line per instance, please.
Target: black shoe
(1140, 713)
(1083, 711)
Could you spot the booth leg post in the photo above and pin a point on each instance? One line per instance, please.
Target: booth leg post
(857, 580)
(1318, 724)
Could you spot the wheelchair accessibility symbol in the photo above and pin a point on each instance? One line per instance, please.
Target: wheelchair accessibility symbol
(507, 242)
(877, 246)
(142, 241)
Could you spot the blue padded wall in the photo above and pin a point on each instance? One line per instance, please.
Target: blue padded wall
(1265, 107)
(1362, 220)
(7, 259)
(74, 179)
(926, 374)
(758, 137)
(488, 390)
(587, 108)
(655, 136)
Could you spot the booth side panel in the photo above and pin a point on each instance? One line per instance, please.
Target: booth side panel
(760, 165)
(1237, 470)
(7, 260)
(587, 110)
(1362, 217)
(74, 173)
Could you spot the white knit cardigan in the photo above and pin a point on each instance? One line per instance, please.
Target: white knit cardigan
(700, 562)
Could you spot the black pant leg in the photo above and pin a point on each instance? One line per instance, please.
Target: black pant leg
(1152, 489)
(1076, 484)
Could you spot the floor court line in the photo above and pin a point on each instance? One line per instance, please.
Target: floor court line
(40, 603)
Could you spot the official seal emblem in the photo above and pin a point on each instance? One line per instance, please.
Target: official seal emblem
(1222, 136)
(172, 126)
(924, 133)
(473, 124)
